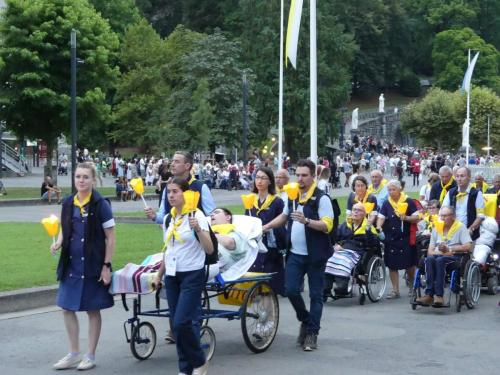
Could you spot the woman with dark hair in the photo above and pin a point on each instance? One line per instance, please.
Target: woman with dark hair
(184, 268)
(268, 206)
(360, 195)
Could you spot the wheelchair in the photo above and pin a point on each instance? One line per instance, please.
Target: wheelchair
(490, 273)
(464, 284)
(370, 276)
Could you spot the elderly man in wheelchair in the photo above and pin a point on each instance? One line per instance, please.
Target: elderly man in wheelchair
(357, 255)
(448, 253)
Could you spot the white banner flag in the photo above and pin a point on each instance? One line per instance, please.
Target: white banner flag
(468, 74)
(354, 121)
(465, 133)
(292, 33)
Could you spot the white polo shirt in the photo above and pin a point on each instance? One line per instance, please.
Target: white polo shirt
(189, 253)
(461, 206)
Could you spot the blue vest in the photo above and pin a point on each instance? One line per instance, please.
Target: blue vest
(436, 189)
(95, 238)
(319, 247)
(471, 207)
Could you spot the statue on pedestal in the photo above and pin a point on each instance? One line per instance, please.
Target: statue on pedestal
(381, 101)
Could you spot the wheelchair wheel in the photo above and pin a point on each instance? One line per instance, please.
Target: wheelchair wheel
(207, 342)
(492, 284)
(376, 279)
(259, 317)
(143, 340)
(472, 284)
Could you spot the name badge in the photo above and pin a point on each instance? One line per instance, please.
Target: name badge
(170, 265)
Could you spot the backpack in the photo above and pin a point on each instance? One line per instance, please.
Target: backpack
(209, 258)
(336, 213)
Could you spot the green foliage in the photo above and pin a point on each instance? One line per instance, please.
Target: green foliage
(450, 59)
(409, 84)
(443, 113)
(35, 78)
(119, 13)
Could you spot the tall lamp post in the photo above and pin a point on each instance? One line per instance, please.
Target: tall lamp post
(73, 109)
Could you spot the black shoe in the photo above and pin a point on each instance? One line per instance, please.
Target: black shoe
(302, 334)
(341, 292)
(311, 342)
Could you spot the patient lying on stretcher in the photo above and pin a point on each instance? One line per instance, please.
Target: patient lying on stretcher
(232, 246)
(239, 239)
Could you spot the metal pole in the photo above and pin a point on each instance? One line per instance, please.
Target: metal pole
(313, 78)
(73, 109)
(280, 109)
(488, 137)
(1, 149)
(468, 114)
(244, 112)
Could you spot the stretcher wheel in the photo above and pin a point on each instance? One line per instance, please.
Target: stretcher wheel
(207, 342)
(143, 340)
(260, 317)
(205, 306)
(376, 279)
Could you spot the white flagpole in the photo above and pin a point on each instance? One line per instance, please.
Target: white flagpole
(280, 110)
(313, 79)
(468, 114)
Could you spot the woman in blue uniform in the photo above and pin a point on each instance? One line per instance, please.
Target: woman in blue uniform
(360, 195)
(268, 206)
(399, 253)
(187, 240)
(87, 243)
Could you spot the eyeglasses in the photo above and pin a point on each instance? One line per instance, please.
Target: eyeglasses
(262, 178)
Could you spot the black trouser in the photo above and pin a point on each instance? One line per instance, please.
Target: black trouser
(415, 178)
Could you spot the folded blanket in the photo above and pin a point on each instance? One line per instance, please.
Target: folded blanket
(134, 278)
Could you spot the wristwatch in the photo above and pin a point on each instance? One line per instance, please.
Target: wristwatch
(308, 221)
(107, 264)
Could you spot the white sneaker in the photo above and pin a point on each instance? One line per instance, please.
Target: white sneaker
(69, 361)
(203, 370)
(86, 364)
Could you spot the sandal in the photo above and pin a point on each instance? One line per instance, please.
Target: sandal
(393, 295)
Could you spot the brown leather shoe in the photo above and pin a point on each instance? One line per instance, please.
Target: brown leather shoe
(438, 300)
(425, 300)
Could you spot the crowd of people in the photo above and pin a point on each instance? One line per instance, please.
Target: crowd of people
(301, 236)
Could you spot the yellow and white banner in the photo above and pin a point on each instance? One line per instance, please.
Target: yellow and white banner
(292, 33)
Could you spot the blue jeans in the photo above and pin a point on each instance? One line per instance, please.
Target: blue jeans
(297, 266)
(184, 303)
(436, 267)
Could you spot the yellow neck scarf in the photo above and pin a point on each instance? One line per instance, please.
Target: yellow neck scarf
(191, 180)
(265, 205)
(394, 204)
(309, 194)
(483, 189)
(223, 228)
(356, 199)
(278, 190)
(453, 229)
(79, 204)
(359, 230)
(371, 190)
(176, 224)
(444, 189)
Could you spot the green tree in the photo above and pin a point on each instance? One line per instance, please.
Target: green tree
(443, 112)
(119, 13)
(141, 89)
(449, 57)
(202, 118)
(35, 80)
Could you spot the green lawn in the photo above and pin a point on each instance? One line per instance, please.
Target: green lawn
(27, 262)
(34, 193)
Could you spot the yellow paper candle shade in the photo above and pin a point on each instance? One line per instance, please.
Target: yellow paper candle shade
(51, 225)
(191, 199)
(402, 207)
(248, 201)
(137, 185)
(439, 225)
(369, 207)
(292, 190)
(434, 218)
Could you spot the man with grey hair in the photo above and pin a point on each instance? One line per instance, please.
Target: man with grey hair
(440, 189)
(479, 182)
(378, 187)
(467, 201)
(281, 178)
(444, 254)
